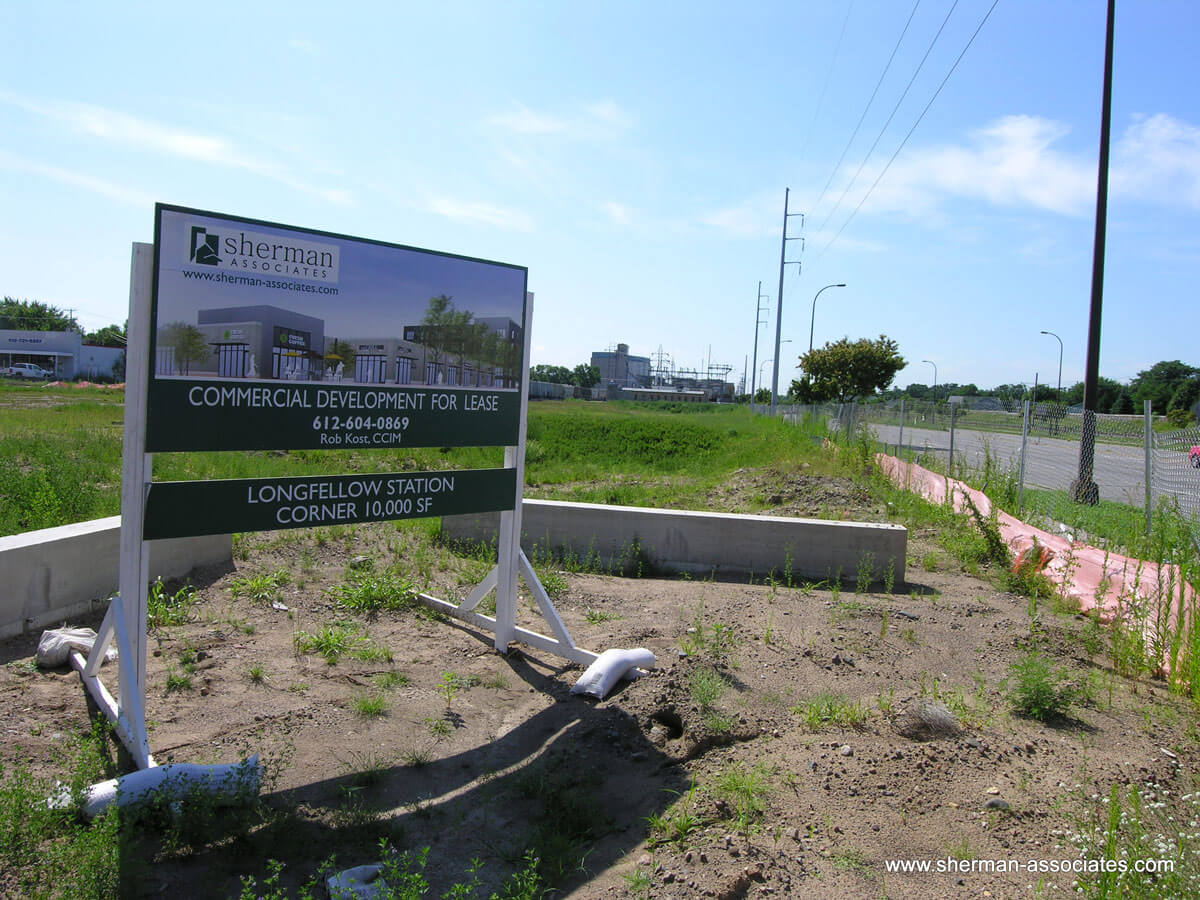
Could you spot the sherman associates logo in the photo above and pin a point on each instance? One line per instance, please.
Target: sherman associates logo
(263, 254)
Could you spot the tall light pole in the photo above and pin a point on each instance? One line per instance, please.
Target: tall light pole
(1060, 349)
(758, 323)
(932, 363)
(813, 319)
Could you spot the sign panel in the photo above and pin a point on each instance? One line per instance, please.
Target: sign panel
(188, 508)
(265, 336)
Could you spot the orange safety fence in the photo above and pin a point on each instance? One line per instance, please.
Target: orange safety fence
(1099, 580)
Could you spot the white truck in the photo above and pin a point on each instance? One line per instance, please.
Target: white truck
(26, 370)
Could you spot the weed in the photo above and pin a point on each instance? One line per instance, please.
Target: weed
(164, 609)
(677, 825)
(706, 685)
(264, 588)
(390, 680)
(745, 791)
(370, 706)
(1040, 691)
(865, 573)
(370, 592)
(599, 616)
(828, 709)
(851, 859)
(331, 643)
(439, 728)
(257, 674)
(177, 681)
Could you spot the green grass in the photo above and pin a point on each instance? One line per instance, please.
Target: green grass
(264, 588)
(371, 592)
(829, 710)
(1040, 691)
(370, 706)
(331, 643)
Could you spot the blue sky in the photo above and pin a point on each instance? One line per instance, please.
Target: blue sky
(634, 157)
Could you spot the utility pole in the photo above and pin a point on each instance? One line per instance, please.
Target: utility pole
(759, 321)
(783, 262)
(1083, 488)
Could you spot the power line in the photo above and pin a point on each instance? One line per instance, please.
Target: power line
(983, 22)
(867, 108)
(895, 109)
(832, 62)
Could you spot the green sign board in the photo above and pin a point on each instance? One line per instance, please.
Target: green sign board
(206, 415)
(188, 508)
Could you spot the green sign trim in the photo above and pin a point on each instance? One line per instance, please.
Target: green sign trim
(191, 508)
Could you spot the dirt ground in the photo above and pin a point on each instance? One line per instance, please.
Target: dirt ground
(640, 788)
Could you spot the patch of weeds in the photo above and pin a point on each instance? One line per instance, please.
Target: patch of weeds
(372, 652)
(164, 609)
(744, 789)
(416, 757)
(866, 567)
(370, 706)
(639, 882)
(331, 643)
(439, 728)
(257, 674)
(712, 641)
(828, 709)
(391, 680)
(599, 616)
(851, 859)
(553, 583)
(178, 681)
(366, 768)
(676, 825)
(299, 687)
(706, 685)
(264, 589)
(496, 681)
(1038, 690)
(369, 592)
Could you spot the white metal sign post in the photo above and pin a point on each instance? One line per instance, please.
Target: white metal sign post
(178, 398)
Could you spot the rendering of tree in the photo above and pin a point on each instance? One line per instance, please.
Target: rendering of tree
(188, 343)
(844, 370)
(345, 354)
(30, 315)
(445, 329)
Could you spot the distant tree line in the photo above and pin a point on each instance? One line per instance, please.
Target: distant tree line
(583, 375)
(31, 315)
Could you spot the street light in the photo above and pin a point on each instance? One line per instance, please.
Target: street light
(765, 361)
(813, 318)
(932, 363)
(1060, 349)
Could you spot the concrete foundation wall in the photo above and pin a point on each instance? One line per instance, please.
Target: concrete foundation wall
(53, 574)
(672, 540)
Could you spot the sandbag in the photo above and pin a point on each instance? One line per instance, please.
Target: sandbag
(55, 646)
(359, 883)
(609, 668)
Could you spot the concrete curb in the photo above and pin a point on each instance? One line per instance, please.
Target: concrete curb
(621, 538)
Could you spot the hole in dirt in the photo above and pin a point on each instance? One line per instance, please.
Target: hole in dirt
(670, 722)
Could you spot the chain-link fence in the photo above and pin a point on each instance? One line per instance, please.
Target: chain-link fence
(1037, 444)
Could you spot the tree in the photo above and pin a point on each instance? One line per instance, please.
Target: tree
(30, 315)
(585, 375)
(1159, 383)
(444, 328)
(844, 370)
(108, 336)
(552, 374)
(1183, 402)
(188, 343)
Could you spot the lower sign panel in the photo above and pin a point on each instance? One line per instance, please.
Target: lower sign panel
(192, 508)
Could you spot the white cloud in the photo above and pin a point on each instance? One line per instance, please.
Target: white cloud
(753, 218)
(618, 213)
(82, 180)
(478, 213)
(1158, 159)
(114, 126)
(602, 120)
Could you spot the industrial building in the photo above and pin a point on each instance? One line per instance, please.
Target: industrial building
(622, 369)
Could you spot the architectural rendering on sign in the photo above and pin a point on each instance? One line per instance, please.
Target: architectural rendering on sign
(236, 299)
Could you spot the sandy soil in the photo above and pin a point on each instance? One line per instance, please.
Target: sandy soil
(483, 770)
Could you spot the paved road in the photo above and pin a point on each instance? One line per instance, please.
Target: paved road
(1049, 462)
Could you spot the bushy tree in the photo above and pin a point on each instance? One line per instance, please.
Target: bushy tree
(1159, 383)
(585, 375)
(30, 315)
(847, 369)
(551, 374)
(108, 336)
